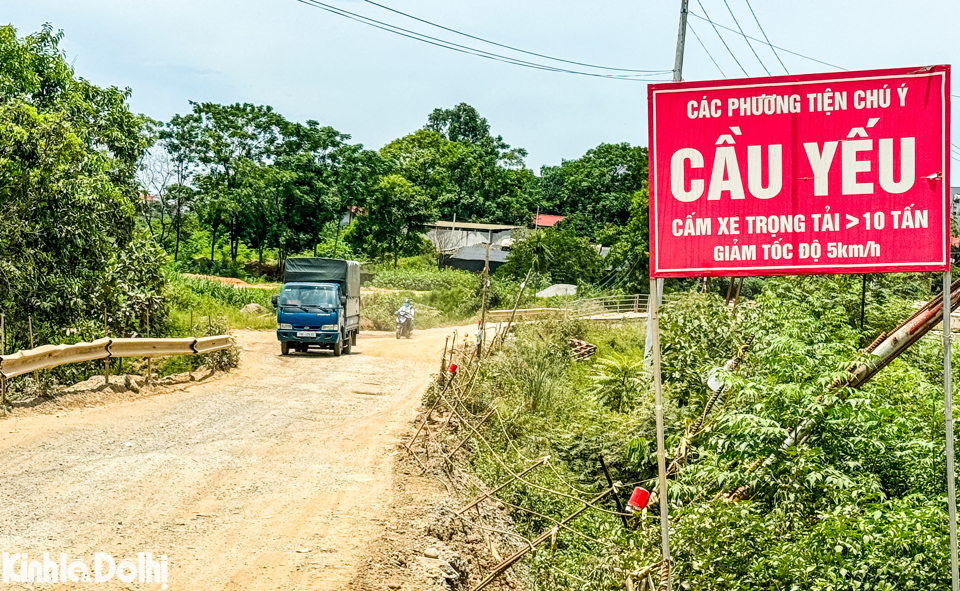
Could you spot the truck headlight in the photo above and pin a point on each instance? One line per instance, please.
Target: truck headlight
(329, 327)
(284, 326)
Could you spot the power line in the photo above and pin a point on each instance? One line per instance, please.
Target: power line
(722, 40)
(806, 57)
(510, 47)
(750, 45)
(767, 38)
(710, 55)
(463, 48)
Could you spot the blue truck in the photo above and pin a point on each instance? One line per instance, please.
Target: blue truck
(319, 305)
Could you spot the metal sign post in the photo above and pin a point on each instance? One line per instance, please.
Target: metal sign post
(654, 323)
(948, 416)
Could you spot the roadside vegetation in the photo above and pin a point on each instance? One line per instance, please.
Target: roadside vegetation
(860, 505)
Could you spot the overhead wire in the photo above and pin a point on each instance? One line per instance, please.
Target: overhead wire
(765, 37)
(510, 47)
(806, 57)
(722, 40)
(750, 45)
(710, 55)
(466, 49)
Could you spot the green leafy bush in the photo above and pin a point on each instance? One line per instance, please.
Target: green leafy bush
(618, 381)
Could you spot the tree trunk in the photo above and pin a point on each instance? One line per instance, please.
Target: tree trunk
(213, 243)
(176, 244)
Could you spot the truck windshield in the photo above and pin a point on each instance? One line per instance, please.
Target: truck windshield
(309, 296)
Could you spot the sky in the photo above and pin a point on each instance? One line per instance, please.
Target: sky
(377, 86)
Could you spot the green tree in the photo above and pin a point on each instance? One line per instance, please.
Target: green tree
(596, 190)
(630, 246)
(557, 253)
(468, 172)
(69, 151)
(392, 219)
(220, 140)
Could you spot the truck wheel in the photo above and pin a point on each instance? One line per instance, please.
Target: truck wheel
(348, 344)
(353, 337)
(284, 348)
(338, 349)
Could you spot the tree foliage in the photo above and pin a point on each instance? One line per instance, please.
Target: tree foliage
(69, 151)
(557, 253)
(597, 189)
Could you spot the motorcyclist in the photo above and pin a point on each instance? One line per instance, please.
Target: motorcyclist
(406, 310)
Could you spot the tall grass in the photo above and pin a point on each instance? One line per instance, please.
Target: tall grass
(193, 302)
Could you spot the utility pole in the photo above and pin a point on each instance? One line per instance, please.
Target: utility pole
(681, 40)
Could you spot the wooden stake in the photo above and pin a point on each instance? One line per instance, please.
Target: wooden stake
(443, 360)
(483, 307)
(513, 558)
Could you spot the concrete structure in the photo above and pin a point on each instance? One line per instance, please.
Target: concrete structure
(448, 236)
(473, 258)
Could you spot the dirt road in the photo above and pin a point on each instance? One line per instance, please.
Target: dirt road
(272, 477)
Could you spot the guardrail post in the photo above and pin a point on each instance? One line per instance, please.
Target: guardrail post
(3, 351)
(36, 374)
(106, 361)
(149, 360)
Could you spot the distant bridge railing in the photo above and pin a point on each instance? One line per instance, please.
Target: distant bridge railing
(615, 306)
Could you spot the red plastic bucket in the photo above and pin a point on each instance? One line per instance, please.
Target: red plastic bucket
(638, 500)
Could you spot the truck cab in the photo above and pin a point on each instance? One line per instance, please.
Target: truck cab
(319, 305)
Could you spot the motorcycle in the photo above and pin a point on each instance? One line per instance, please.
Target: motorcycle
(404, 324)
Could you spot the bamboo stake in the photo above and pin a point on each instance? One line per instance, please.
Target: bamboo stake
(513, 558)
(486, 495)
(483, 420)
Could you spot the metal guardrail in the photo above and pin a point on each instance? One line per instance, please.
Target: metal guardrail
(211, 344)
(150, 347)
(50, 356)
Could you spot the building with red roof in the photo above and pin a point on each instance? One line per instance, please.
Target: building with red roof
(546, 220)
